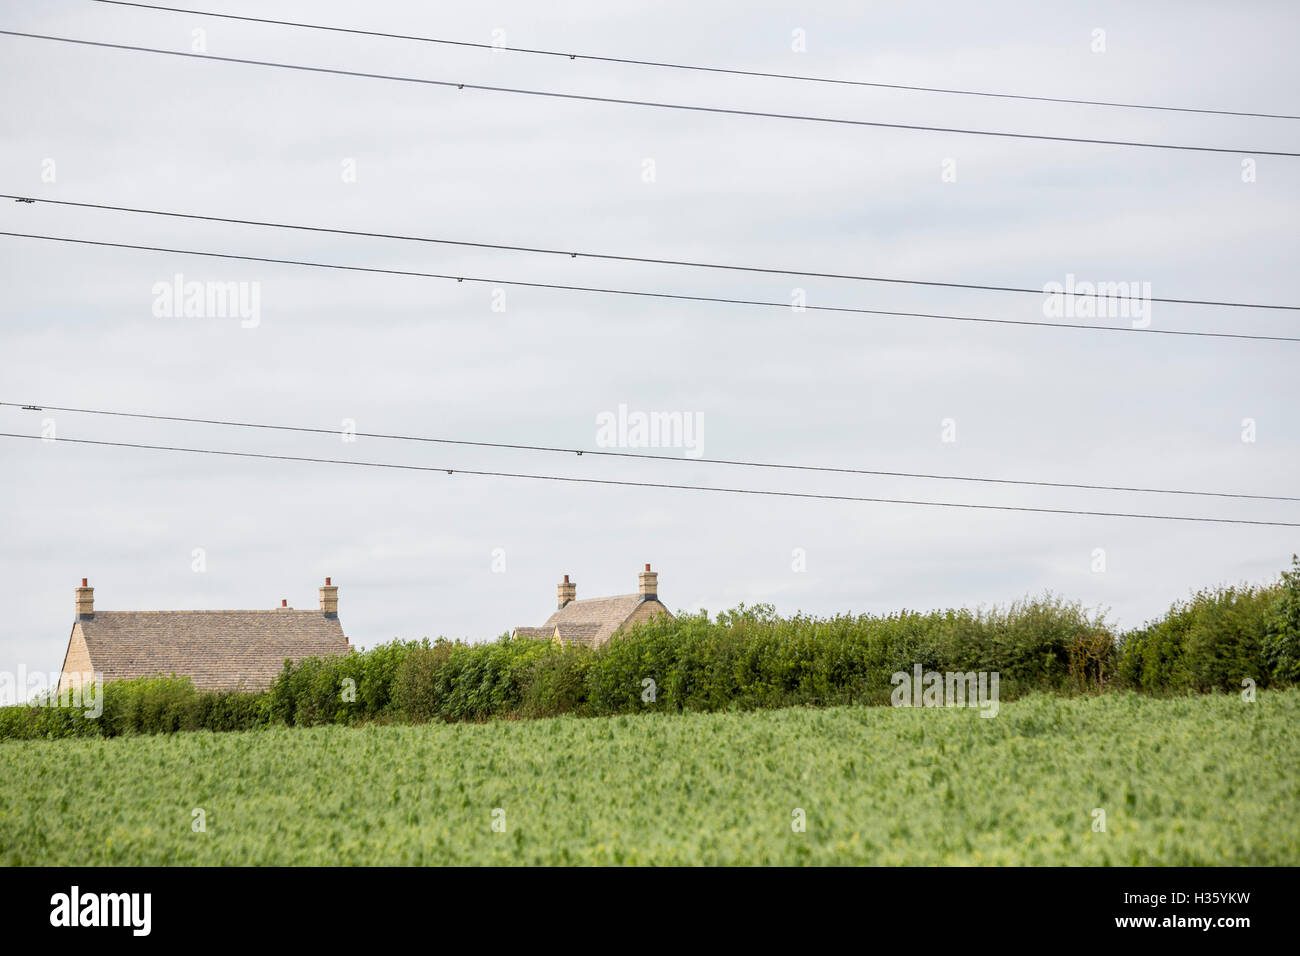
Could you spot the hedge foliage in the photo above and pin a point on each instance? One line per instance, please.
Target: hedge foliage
(1217, 638)
(742, 659)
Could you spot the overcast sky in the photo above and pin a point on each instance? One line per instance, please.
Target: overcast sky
(413, 552)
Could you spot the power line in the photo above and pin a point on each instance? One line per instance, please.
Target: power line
(656, 104)
(699, 68)
(675, 296)
(32, 406)
(653, 484)
(609, 257)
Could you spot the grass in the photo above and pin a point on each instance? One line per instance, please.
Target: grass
(1188, 781)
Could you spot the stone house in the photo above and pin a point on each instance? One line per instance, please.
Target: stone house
(593, 621)
(217, 650)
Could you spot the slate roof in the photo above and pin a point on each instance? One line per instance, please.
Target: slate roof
(593, 620)
(536, 633)
(218, 650)
(588, 635)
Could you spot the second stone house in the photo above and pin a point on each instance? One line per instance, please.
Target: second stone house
(593, 621)
(217, 650)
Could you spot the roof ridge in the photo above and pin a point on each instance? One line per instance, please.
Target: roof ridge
(607, 597)
(276, 610)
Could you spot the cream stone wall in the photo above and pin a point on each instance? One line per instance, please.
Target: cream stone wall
(644, 611)
(77, 662)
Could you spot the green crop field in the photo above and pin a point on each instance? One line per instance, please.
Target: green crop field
(1190, 780)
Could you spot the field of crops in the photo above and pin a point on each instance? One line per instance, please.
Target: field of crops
(1191, 780)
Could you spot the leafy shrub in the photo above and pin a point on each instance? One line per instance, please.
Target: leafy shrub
(1153, 658)
(1225, 643)
(415, 687)
(26, 722)
(1211, 642)
(340, 688)
(233, 710)
(486, 680)
(149, 705)
(1281, 649)
(749, 657)
(556, 683)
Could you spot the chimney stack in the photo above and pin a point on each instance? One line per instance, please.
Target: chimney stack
(648, 582)
(329, 599)
(567, 592)
(85, 602)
